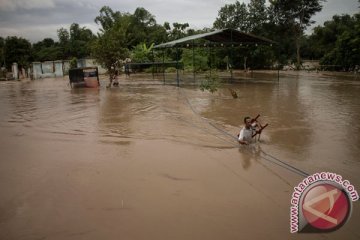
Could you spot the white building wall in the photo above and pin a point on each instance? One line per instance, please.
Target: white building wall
(15, 71)
(58, 68)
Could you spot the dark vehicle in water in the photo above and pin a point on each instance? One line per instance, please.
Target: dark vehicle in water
(84, 77)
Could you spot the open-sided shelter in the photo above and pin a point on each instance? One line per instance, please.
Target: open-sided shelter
(223, 37)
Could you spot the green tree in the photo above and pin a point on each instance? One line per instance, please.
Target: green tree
(178, 30)
(64, 42)
(211, 83)
(140, 24)
(46, 50)
(17, 50)
(234, 16)
(110, 46)
(296, 16)
(142, 53)
(252, 18)
(107, 18)
(73, 63)
(285, 50)
(200, 59)
(337, 42)
(80, 40)
(2, 52)
(76, 42)
(257, 16)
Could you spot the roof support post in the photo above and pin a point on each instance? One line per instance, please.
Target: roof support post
(177, 67)
(163, 65)
(231, 56)
(278, 61)
(210, 58)
(193, 59)
(152, 68)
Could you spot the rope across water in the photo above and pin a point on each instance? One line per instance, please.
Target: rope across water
(266, 156)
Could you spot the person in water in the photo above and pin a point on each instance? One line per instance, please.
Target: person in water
(246, 133)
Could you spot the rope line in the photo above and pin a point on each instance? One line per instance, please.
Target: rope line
(266, 156)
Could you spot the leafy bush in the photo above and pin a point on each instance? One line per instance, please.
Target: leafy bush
(142, 53)
(170, 69)
(211, 83)
(73, 63)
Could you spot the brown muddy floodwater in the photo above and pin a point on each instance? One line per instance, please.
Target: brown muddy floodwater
(153, 161)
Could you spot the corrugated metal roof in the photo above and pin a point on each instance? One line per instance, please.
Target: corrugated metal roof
(227, 36)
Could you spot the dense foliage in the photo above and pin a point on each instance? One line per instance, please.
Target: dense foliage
(337, 43)
(111, 44)
(123, 34)
(16, 50)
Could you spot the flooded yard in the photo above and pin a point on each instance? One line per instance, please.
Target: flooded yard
(153, 161)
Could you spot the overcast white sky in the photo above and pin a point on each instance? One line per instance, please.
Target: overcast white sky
(38, 19)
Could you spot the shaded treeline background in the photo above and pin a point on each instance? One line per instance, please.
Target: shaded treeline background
(133, 35)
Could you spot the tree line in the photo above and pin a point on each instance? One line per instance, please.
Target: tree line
(123, 35)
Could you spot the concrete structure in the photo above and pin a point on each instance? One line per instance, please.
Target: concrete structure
(48, 69)
(23, 73)
(15, 71)
(61, 68)
(311, 64)
(58, 65)
(66, 67)
(81, 63)
(90, 62)
(37, 71)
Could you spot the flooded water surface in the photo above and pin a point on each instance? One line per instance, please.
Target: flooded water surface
(153, 161)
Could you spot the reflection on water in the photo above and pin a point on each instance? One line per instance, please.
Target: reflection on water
(312, 119)
(313, 125)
